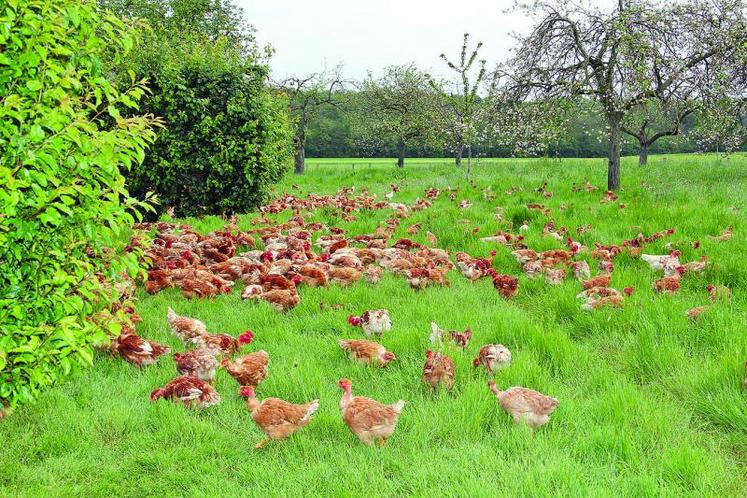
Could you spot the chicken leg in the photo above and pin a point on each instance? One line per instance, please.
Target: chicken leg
(262, 443)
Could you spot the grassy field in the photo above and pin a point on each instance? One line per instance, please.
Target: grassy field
(651, 403)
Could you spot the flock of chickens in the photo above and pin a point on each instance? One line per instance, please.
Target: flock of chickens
(208, 265)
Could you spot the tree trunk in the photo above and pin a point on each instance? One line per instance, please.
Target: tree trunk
(469, 160)
(613, 156)
(458, 154)
(300, 158)
(643, 154)
(401, 154)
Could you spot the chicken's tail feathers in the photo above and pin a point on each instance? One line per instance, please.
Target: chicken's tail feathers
(170, 315)
(398, 406)
(343, 343)
(313, 407)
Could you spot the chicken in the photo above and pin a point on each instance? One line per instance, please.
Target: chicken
(248, 370)
(189, 390)
(694, 313)
(198, 363)
(372, 321)
(725, 234)
(432, 239)
(367, 352)
(659, 262)
(593, 303)
(137, 350)
(669, 284)
(222, 344)
(345, 260)
(597, 292)
(524, 255)
(185, 328)
(373, 273)
(252, 291)
(493, 357)
(696, 266)
(368, 419)
(157, 281)
(281, 300)
(506, 285)
(420, 278)
(474, 268)
(201, 288)
(438, 336)
(344, 276)
(277, 418)
(525, 405)
(313, 276)
(555, 276)
(719, 293)
(438, 370)
(602, 280)
(532, 269)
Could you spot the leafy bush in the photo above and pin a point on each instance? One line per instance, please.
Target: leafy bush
(62, 196)
(227, 137)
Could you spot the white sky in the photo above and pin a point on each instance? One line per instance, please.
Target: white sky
(370, 35)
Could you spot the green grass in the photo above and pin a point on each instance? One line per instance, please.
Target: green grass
(651, 404)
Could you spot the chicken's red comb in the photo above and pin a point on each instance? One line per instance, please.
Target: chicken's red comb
(354, 320)
(476, 362)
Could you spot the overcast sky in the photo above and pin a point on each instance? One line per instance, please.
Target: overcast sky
(370, 35)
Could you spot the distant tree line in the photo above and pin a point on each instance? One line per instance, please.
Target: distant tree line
(334, 133)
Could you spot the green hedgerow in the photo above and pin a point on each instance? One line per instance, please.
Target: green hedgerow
(63, 143)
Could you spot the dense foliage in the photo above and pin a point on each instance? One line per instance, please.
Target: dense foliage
(333, 134)
(227, 136)
(63, 142)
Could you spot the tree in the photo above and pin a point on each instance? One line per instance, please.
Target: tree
(626, 57)
(653, 120)
(461, 103)
(306, 96)
(227, 136)
(64, 143)
(722, 125)
(174, 19)
(399, 106)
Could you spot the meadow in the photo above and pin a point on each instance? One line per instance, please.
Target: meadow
(651, 402)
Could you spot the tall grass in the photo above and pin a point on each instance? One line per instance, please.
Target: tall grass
(650, 402)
